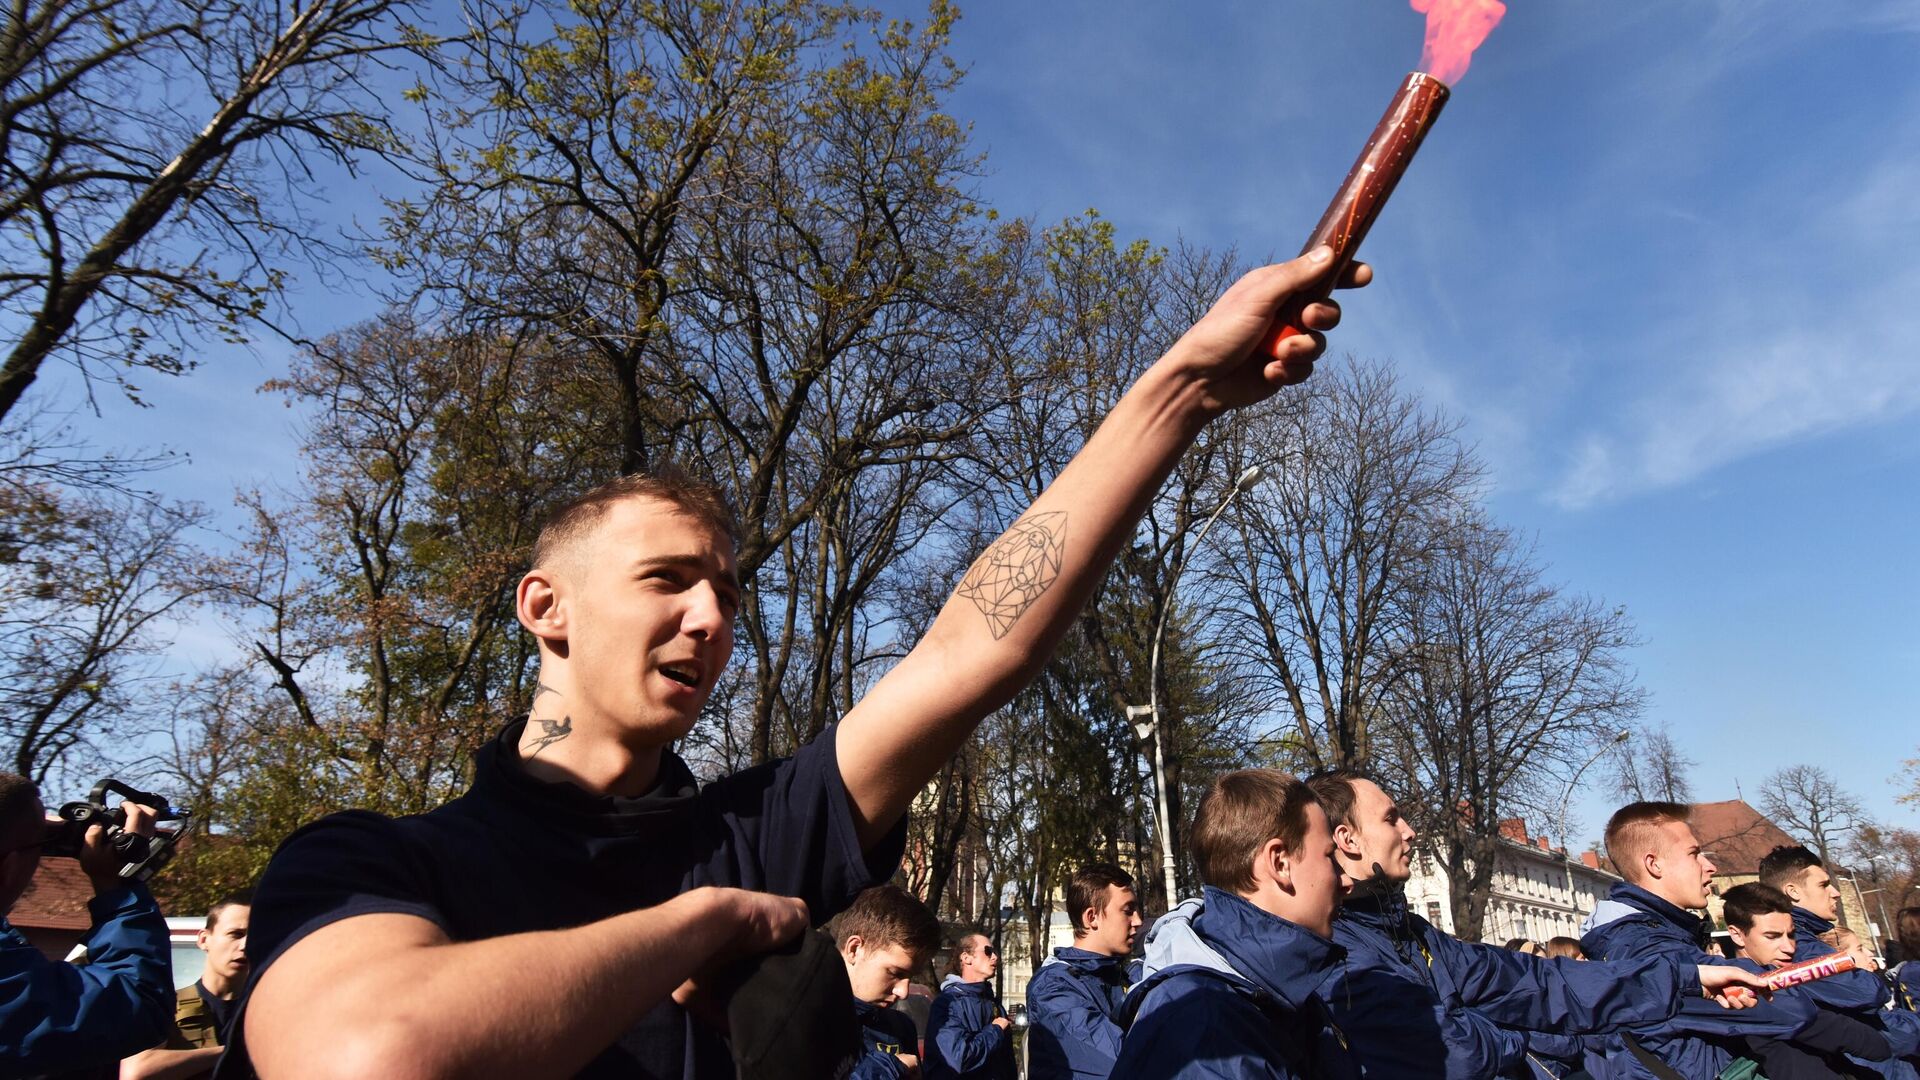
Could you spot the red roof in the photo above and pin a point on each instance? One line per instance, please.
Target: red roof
(1736, 836)
(56, 899)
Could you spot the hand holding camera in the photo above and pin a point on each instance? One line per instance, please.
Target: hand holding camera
(115, 846)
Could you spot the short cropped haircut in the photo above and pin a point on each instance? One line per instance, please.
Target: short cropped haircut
(1630, 832)
(1906, 927)
(1334, 789)
(1784, 865)
(19, 797)
(1746, 902)
(888, 915)
(1565, 948)
(576, 518)
(241, 898)
(1089, 889)
(1240, 812)
(960, 939)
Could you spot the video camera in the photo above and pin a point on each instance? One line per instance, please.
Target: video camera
(140, 856)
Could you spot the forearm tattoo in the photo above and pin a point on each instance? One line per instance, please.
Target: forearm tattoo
(1017, 569)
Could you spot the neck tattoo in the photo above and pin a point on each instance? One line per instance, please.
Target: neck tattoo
(551, 731)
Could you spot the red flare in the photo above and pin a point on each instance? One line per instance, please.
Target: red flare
(1454, 29)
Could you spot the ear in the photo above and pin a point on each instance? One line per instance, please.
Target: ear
(1739, 937)
(1278, 863)
(537, 604)
(1650, 863)
(1090, 918)
(203, 937)
(850, 948)
(1346, 840)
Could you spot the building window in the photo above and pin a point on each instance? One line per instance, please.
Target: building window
(1433, 912)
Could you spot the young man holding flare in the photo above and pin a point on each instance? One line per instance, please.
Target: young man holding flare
(549, 922)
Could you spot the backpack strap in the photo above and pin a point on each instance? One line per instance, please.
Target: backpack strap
(1647, 1061)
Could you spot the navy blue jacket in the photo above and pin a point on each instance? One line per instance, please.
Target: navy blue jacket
(1228, 994)
(885, 1033)
(962, 1039)
(1907, 975)
(1417, 1002)
(1702, 1038)
(59, 1017)
(1072, 1009)
(1853, 991)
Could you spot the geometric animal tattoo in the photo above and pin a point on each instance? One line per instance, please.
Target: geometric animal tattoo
(1020, 566)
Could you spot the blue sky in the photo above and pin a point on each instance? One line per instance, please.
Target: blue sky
(1658, 256)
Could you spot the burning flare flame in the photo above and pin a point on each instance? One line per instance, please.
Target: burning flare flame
(1454, 29)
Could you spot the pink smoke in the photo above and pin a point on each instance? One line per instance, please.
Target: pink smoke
(1454, 29)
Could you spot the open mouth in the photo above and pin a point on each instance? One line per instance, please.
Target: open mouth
(682, 674)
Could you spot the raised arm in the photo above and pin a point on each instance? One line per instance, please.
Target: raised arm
(388, 995)
(1012, 607)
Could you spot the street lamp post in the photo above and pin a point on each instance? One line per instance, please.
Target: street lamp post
(1567, 796)
(1146, 718)
(1883, 929)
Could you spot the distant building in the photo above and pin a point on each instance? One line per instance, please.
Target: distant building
(52, 914)
(1537, 892)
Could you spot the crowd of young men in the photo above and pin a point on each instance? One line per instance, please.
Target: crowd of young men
(586, 908)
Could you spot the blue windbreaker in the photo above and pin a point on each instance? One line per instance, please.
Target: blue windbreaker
(1853, 991)
(962, 1039)
(1072, 1006)
(1860, 994)
(884, 1033)
(1702, 1038)
(1907, 975)
(59, 1017)
(1228, 994)
(1417, 1002)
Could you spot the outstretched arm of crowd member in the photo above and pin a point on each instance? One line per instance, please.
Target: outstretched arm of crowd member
(534, 1004)
(1572, 996)
(1011, 608)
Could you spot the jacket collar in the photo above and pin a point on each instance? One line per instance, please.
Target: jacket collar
(1806, 924)
(1636, 897)
(1382, 905)
(1086, 962)
(954, 984)
(1280, 957)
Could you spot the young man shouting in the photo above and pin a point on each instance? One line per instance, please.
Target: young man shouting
(542, 923)
(1074, 999)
